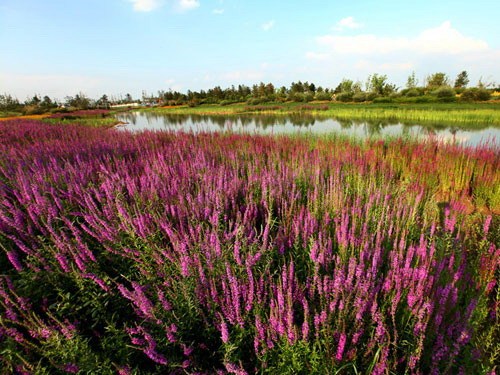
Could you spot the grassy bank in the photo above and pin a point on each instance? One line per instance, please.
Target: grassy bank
(213, 253)
(446, 113)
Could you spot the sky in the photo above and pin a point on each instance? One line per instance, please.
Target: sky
(63, 47)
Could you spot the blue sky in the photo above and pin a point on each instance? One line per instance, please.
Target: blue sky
(114, 47)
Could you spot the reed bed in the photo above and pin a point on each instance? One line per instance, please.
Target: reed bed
(228, 253)
(475, 115)
(447, 116)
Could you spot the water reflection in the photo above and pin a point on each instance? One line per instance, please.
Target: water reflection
(299, 123)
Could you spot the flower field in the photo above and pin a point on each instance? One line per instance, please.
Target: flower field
(225, 253)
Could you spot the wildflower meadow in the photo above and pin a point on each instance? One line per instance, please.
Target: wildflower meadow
(172, 252)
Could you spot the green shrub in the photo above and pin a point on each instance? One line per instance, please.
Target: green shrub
(227, 102)
(323, 96)
(370, 96)
(255, 101)
(383, 99)
(344, 97)
(424, 99)
(483, 95)
(411, 93)
(33, 110)
(475, 94)
(444, 92)
(359, 97)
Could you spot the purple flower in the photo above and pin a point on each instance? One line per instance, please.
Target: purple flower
(14, 260)
(71, 368)
(340, 347)
(224, 331)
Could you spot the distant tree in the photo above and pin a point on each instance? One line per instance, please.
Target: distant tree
(378, 84)
(437, 80)
(103, 102)
(345, 86)
(269, 90)
(412, 81)
(484, 85)
(346, 89)
(47, 103)
(462, 80)
(34, 101)
(8, 103)
(129, 99)
(80, 101)
(296, 87)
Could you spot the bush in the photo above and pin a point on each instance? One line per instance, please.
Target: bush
(370, 96)
(475, 94)
(444, 92)
(33, 110)
(255, 101)
(227, 102)
(344, 97)
(411, 93)
(383, 99)
(483, 94)
(193, 103)
(323, 96)
(424, 99)
(359, 97)
(301, 97)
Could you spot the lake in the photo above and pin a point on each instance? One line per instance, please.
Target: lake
(302, 124)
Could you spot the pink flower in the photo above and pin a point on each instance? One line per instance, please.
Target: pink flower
(340, 347)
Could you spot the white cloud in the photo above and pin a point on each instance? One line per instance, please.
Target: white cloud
(146, 5)
(443, 39)
(243, 75)
(185, 5)
(440, 48)
(150, 5)
(348, 23)
(218, 11)
(268, 25)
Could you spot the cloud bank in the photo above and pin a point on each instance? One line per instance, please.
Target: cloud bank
(268, 25)
(145, 5)
(443, 39)
(150, 5)
(347, 23)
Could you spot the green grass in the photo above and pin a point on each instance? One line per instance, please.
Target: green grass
(9, 114)
(95, 122)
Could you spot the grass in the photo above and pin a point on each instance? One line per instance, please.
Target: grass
(93, 122)
(230, 253)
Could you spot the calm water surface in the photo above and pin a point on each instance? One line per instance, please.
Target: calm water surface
(269, 124)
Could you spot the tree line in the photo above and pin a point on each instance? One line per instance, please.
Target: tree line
(437, 87)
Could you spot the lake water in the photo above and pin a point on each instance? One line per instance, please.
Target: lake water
(269, 124)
